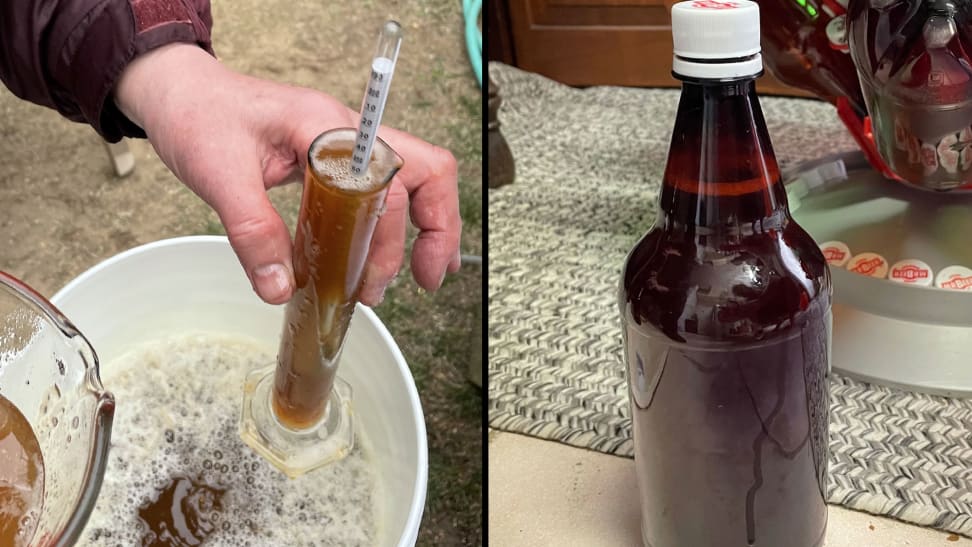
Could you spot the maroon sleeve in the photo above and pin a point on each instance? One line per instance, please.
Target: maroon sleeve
(68, 54)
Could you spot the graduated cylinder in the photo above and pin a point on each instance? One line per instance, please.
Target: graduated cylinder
(338, 214)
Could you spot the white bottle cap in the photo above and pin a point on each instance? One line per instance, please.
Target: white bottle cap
(716, 39)
(911, 272)
(956, 278)
(869, 264)
(837, 253)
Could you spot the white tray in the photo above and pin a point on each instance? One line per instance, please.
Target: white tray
(886, 332)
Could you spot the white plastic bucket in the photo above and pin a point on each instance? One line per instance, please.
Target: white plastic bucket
(196, 284)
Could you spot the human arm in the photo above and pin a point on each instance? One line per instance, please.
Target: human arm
(68, 54)
(144, 67)
(230, 137)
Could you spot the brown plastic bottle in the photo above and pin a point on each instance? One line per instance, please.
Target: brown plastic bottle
(725, 308)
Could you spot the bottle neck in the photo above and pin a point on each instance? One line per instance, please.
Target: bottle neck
(721, 175)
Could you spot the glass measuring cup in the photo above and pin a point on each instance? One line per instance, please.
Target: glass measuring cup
(50, 373)
(298, 414)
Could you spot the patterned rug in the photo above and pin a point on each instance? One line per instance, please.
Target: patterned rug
(588, 165)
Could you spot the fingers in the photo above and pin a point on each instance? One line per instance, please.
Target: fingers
(314, 114)
(430, 176)
(260, 239)
(429, 179)
(385, 258)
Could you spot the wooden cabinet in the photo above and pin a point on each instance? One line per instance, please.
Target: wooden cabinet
(591, 42)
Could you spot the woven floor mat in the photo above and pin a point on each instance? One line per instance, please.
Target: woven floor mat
(588, 166)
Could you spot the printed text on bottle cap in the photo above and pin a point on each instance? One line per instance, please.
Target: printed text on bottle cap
(714, 4)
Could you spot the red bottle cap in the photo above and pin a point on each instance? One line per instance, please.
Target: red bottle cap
(911, 272)
(956, 278)
(837, 33)
(869, 264)
(837, 253)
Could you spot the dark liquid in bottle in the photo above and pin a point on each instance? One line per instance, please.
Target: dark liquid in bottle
(337, 219)
(726, 312)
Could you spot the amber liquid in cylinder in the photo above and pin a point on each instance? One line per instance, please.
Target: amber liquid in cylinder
(338, 214)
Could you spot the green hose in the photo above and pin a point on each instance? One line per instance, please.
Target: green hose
(474, 36)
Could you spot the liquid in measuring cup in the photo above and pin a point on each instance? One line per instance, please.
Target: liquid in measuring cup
(339, 212)
(21, 477)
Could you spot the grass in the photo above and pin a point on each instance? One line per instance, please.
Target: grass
(434, 333)
(213, 228)
(465, 136)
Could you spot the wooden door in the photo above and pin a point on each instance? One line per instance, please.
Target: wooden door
(600, 42)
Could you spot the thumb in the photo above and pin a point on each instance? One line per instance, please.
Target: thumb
(261, 241)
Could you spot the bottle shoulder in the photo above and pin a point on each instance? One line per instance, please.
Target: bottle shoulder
(746, 288)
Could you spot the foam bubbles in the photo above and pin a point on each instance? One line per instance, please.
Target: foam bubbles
(178, 405)
(338, 169)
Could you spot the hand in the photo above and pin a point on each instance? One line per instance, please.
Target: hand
(231, 137)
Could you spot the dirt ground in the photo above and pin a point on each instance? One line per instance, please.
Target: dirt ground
(62, 210)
